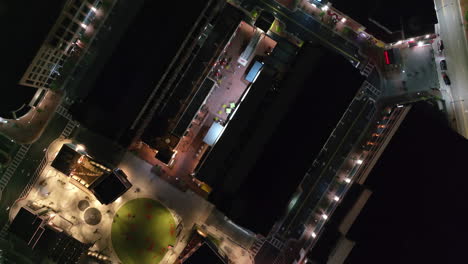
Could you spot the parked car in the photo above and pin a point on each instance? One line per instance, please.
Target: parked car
(440, 44)
(443, 65)
(446, 78)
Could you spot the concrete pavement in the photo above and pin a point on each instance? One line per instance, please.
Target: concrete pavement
(452, 32)
(28, 128)
(55, 192)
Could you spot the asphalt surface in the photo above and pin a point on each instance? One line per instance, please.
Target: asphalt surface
(31, 161)
(317, 181)
(456, 53)
(306, 27)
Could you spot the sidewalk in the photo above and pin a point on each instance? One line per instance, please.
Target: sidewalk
(28, 128)
(464, 10)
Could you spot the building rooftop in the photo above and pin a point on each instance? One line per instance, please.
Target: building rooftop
(45, 238)
(66, 159)
(24, 27)
(204, 255)
(110, 186)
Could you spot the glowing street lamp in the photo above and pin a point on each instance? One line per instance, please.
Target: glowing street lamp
(347, 180)
(93, 9)
(325, 8)
(324, 216)
(313, 235)
(336, 198)
(343, 20)
(359, 161)
(80, 147)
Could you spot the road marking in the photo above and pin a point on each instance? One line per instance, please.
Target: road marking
(316, 35)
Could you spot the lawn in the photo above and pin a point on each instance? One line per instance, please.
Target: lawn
(142, 231)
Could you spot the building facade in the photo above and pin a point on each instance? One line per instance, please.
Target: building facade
(63, 41)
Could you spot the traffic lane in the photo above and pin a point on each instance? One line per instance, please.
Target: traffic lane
(27, 167)
(351, 120)
(447, 95)
(307, 27)
(312, 31)
(456, 53)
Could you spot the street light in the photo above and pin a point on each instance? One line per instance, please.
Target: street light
(336, 198)
(324, 216)
(347, 180)
(325, 8)
(80, 147)
(343, 20)
(313, 235)
(359, 161)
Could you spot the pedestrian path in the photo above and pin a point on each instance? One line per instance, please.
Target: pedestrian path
(4, 231)
(257, 245)
(372, 89)
(13, 166)
(7, 176)
(71, 125)
(368, 69)
(63, 112)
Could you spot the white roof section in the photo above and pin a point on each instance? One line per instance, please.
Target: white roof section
(214, 133)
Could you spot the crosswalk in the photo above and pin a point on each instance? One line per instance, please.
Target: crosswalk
(7, 176)
(257, 245)
(276, 242)
(374, 91)
(4, 231)
(13, 166)
(68, 129)
(63, 112)
(21, 153)
(260, 241)
(368, 69)
(71, 123)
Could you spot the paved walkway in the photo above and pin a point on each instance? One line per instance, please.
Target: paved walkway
(56, 192)
(464, 10)
(28, 128)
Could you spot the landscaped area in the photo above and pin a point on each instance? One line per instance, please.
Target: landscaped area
(142, 231)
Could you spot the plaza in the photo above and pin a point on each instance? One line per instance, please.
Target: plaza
(81, 215)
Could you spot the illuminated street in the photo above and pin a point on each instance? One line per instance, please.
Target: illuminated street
(228, 131)
(456, 52)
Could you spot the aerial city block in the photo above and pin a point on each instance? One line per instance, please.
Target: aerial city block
(232, 131)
